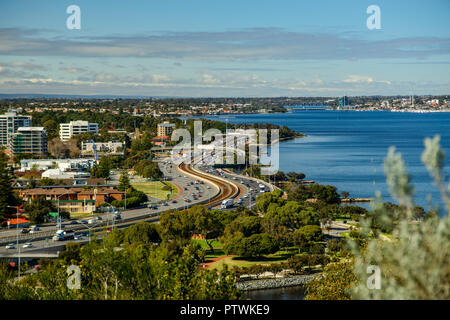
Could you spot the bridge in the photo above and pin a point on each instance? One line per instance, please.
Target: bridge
(308, 106)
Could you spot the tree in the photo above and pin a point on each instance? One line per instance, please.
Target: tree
(306, 236)
(345, 194)
(253, 246)
(7, 196)
(334, 283)
(206, 224)
(124, 181)
(46, 182)
(142, 232)
(38, 209)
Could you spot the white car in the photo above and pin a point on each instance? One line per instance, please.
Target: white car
(10, 246)
(27, 245)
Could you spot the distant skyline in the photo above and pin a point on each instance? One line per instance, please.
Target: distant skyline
(212, 48)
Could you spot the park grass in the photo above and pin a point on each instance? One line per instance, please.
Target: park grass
(148, 187)
(279, 256)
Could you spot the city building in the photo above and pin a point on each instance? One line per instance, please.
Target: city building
(343, 101)
(62, 164)
(74, 200)
(9, 123)
(165, 129)
(68, 130)
(103, 148)
(31, 140)
(58, 174)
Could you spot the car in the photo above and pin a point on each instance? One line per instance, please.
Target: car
(245, 196)
(242, 181)
(78, 237)
(74, 222)
(83, 221)
(253, 198)
(174, 201)
(27, 245)
(10, 246)
(208, 187)
(166, 204)
(25, 230)
(199, 195)
(99, 218)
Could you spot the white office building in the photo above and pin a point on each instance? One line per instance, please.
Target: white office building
(10, 122)
(68, 130)
(110, 147)
(61, 164)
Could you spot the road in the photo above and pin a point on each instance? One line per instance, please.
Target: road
(201, 188)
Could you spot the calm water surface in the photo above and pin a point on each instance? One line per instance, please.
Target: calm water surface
(347, 149)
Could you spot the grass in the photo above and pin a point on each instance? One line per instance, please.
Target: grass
(276, 257)
(80, 215)
(155, 189)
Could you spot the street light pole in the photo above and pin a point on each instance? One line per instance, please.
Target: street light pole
(17, 237)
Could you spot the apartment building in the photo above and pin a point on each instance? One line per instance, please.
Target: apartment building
(9, 123)
(29, 140)
(165, 129)
(68, 130)
(73, 200)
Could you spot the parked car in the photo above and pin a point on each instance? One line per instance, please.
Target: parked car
(10, 246)
(25, 230)
(27, 245)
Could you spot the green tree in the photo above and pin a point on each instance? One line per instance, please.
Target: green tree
(124, 181)
(306, 236)
(38, 209)
(7, 196)
(334, 283)
(253, 246)
(142, 232)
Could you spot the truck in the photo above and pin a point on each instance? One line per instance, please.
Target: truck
(227, 203)
(262, 188)
(62, 235)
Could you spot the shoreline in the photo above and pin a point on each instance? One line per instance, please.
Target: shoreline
(274, 283)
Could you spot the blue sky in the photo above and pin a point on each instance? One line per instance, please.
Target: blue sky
(225, 48)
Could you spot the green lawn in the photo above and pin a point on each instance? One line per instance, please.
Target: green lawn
(155, 189)
(80, 215)
(276, 257)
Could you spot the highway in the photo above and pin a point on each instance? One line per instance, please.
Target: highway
(197, 184)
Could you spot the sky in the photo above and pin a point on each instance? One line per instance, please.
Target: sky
(198, 48)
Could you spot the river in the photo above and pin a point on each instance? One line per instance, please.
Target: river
(347, 148)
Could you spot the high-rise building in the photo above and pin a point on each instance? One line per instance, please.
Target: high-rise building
(165, 129)
(68, 130)
(29, 140)
(9, 123)
(343, 101)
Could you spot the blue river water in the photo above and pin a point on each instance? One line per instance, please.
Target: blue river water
(347, 148)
